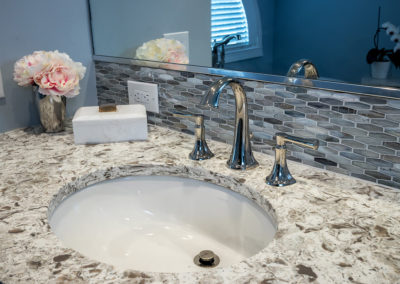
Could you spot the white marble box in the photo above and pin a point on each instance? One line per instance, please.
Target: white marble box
(128, 123)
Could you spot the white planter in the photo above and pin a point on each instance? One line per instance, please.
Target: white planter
(380, 69)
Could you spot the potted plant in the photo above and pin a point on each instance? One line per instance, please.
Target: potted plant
(380, 59)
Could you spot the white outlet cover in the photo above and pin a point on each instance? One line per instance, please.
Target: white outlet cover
(145, 94)
(183, 37)
(1, 86)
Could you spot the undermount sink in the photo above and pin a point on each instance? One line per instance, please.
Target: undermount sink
(160, 223)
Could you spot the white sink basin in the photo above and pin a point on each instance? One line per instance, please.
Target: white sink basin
(160, 223)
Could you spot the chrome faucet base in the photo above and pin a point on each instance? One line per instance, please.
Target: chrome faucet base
(242, 167)
(242, 163)
(280, 176)
(200, 151)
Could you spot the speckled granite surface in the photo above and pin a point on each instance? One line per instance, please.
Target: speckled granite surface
(331, 228)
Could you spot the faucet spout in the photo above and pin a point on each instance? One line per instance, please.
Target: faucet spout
(218, 50)
(310, 71)
(241, 156)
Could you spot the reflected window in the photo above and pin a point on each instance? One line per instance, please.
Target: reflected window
(233, 18)
(228, 17)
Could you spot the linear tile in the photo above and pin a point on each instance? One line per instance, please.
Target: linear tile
(356, 133)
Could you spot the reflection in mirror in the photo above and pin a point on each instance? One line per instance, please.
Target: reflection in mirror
(334, 35)
(120, 27)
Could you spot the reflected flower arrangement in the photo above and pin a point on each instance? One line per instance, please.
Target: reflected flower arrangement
(163, 50)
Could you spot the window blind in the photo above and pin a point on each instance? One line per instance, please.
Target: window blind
(228, 17)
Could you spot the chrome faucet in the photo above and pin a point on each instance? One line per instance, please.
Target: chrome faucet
(310, 71)
(280, 175)
(200, 150)
(219, 47)
(241, 155)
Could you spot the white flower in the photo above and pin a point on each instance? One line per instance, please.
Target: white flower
(150, 51)
(65, 60)
(29, 65)
(385, 25)
(397, 47)
(395, 38)
(390, 28)
(163, 50)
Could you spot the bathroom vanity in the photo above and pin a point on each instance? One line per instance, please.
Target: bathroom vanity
(331, 228)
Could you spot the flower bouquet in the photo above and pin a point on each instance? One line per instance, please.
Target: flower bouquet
(54, 77)
(163, 50)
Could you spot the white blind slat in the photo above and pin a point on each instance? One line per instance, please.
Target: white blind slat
(228, 17)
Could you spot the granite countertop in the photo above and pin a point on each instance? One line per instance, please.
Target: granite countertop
(331, 228)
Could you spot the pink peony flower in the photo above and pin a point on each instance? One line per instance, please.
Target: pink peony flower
(58, 80)
(54, 72)
(177, 57)
(26, 68)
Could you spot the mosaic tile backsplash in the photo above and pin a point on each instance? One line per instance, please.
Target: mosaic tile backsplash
(359, 135)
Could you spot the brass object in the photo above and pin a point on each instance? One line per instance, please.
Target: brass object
(206, 258)
(108, 108)
(200, 150)
(280, 175)
(241, 156)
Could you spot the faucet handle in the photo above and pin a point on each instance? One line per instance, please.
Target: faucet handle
(200, 150)
(196, 118)
(282, 138)
(280, 175)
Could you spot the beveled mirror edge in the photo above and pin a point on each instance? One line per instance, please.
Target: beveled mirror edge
(364, 90)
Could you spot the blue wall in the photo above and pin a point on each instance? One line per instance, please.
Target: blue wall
(335, 35)
(262, 64)
(26, 26)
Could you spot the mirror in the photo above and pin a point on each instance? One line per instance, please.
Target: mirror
(336, 35)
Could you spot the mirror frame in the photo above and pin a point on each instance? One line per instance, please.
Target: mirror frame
(333, 86)
(365, 90)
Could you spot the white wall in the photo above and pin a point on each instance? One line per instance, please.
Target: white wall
(26, 26)
(120, 26)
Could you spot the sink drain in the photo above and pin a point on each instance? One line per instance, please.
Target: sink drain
(206, 258)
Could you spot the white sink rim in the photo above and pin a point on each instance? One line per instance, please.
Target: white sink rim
(228, 182)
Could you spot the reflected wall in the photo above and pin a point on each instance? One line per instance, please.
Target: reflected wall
(120, 27)
(335, 35)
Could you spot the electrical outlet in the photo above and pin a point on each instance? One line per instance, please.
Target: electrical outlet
(145, 94)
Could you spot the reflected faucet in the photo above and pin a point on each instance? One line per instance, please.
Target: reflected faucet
(220, 46)
(241, 156)
(310, 71)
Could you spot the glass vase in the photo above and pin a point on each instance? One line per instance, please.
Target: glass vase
(51, 111)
